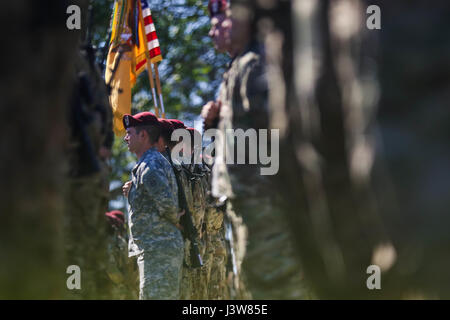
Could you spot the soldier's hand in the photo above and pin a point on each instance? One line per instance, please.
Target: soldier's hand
(126, 188)
(210, 112)
(180, 214)
(104, 153)
(179, 226)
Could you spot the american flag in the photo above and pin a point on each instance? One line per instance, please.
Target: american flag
(150, 33)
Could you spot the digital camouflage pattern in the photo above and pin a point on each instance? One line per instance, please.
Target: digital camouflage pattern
(160, 270)
(198, 276)
(154, 237)
(215, 258)
(215, 254)
(226, 235)
(196, 177)
(187, 282)
(225, 238)
(209, 281)
(269, 266)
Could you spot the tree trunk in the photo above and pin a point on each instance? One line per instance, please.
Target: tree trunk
(38, 77)
(360, 186)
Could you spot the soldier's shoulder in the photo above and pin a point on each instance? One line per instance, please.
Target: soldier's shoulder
(152, 157)
(166, 165)
(176, 164)
(248, 60)
(153, 162)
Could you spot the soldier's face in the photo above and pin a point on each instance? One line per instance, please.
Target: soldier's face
(133, 140)
(240, 33)
(220, 32)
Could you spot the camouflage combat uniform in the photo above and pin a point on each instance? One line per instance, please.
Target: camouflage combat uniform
(216, 254)
(269, 266)
(196, 282)
(213, 236)
(154, 238)
(199, 275)
(187, 282)
(224, 237)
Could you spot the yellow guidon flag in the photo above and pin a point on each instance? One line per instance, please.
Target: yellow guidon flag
(133, 46)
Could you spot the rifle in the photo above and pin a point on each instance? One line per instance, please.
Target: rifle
(189, 230)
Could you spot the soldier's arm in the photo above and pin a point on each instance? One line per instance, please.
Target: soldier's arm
(210, 114)
(158, 186)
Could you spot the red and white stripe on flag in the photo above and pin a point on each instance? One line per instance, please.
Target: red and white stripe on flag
(150, 33)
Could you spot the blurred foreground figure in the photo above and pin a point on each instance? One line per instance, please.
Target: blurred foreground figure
(35, 96)
(363, 186)
(53, 102)
(87, 194)
(270, 266)
(122, 271)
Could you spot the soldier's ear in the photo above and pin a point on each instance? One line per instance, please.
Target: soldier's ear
(145, 134)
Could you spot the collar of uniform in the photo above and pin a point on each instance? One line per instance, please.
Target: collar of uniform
(150, 150)
(165, 154)
(251, 46)
(231, 62)
(146, 153)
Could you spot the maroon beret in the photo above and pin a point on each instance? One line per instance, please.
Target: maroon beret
(216, 7)
(140, 119)
(192, 131)
(166, 127)
(115, 217)
(177, 124)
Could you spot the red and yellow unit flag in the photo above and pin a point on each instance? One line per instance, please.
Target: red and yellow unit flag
(133, 43)
(119, 63)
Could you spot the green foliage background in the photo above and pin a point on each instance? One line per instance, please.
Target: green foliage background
(190, 71)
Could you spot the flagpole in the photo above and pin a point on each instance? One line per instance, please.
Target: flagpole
(152, 84)
(158, 87)
(149, 67)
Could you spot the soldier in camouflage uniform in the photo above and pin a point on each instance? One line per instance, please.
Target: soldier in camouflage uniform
(153, 214)
(196, 174)
(194, 281)
(209, 281)
(270, 266)
(188, 285)
(217, 254)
